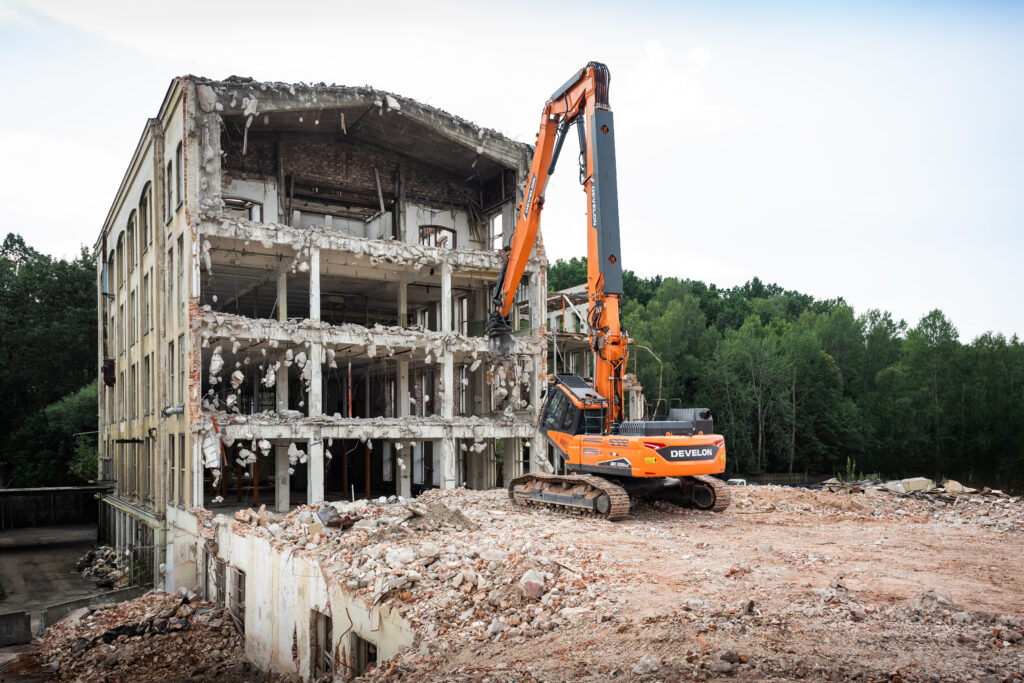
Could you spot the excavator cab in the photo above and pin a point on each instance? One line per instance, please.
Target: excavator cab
(573, 407)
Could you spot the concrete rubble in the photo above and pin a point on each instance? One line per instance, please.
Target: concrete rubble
(497, 592)
(156, 637)
(107, 566)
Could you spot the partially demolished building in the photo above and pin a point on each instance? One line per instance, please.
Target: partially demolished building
(293, 282)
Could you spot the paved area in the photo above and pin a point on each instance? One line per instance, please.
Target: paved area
(37, 567)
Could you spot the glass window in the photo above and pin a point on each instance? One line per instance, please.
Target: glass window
(181, 469)
(181, 369)
(180, 175)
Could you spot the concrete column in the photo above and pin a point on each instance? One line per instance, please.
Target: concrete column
(538, 302)
(282, 296)
(315, 401)
(402, 410)
(315, 468)
(282, 480)
(449, 474)
(405, 471)
(314, 283)
(446, 297)
(403, 304)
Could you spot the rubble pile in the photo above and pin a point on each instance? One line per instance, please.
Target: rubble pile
(108, 567)
(470, 571)
(994, 510)
(155, 637)
(787, 582)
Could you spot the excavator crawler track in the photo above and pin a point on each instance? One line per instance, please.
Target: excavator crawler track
(700, 492)
(581, 494)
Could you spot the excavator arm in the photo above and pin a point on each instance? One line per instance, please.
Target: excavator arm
(582, 100)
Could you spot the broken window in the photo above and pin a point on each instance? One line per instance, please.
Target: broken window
(438, 236)
(243, 208)
(322, 645)
(387, 473)
(180, 176)
(364, 655)
(219, 586)
(236, 605)
(496, 237)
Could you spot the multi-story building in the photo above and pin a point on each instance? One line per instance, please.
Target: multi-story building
(293, 282)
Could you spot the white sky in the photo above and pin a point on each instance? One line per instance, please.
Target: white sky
(849, 150)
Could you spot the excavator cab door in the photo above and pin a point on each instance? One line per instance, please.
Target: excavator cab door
(560, 413)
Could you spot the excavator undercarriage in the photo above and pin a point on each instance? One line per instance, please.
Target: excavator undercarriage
(586, 494)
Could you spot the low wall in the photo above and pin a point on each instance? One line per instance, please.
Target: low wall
(54, 613)
(15, 628)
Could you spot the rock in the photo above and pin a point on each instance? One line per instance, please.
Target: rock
(314, 529)
(397, 557)
(532, 583)
(492, 555)
(765, 548)
(730, 656)
(427, 551)
(369, 524)
(646, 665)
(720, 667)
(496, 627)
(576, 614)
(515, 632)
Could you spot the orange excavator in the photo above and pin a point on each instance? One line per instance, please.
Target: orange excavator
(607, 459)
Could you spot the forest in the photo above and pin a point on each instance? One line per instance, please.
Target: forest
(796, 384)
(804, 385)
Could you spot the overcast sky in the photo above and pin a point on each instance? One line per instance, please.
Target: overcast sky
(854, 150)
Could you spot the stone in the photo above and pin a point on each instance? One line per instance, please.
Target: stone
(720, 667)
(397, 557)
(646, 664)
(496, 627)
(730, 656)
(532, 583)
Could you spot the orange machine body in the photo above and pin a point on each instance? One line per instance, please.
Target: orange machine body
(572, 424)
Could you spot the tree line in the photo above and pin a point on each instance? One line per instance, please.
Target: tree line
(47, 367)
(804, 385)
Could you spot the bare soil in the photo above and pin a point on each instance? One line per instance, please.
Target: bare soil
(786, 584)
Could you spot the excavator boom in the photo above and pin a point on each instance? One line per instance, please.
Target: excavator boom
(583, 101)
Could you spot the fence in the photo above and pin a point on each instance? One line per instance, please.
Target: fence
(22, 508)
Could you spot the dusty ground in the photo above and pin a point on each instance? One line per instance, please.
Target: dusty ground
(786, 584)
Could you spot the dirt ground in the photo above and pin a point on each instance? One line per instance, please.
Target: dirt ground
(786, 584)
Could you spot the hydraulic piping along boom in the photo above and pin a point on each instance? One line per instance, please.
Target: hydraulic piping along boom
(583, 101)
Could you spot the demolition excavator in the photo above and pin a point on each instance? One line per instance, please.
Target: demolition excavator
(607, 459)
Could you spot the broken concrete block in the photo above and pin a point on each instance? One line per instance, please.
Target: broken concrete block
(917, 484)
(532, 583)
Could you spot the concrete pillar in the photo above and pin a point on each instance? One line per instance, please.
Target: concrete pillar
(449, 470)
(315, 401)
(282, 296)
(405, 453)
(314, 283)
(446, 297)
(403, 304)
(315, 468)
(282, 480)
(538, 302)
